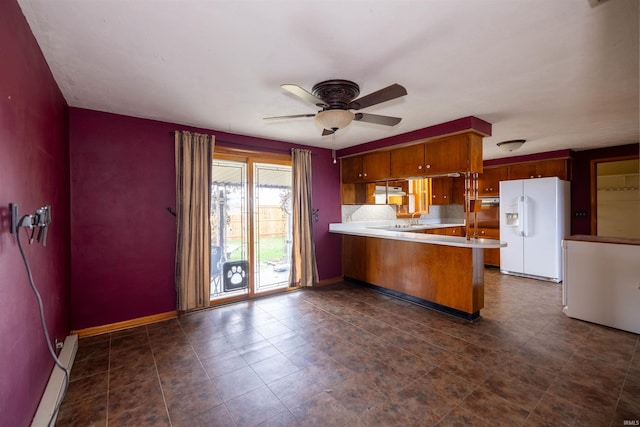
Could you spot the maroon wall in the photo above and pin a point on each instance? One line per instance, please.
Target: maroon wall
(581, 183)
(34, 169)
(123, 239)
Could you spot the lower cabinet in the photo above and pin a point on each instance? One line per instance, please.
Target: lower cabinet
(447, 276)
(354, 262)
(447, 231)
(491, 256)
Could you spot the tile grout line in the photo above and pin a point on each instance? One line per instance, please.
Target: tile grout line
(155, 365)
(108, 388)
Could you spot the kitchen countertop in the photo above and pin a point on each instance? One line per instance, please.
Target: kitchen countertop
(387, 230)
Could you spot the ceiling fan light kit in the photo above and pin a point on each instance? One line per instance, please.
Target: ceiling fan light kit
(511, 145)
(334, 119)
(337, 97)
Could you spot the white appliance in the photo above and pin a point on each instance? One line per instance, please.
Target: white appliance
(602, 281)
(534, 218)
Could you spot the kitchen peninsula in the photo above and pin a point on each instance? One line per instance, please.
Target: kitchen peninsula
(427, 263)
(445, 273)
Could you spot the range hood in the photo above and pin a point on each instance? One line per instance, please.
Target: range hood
(490, 201)
(382, 190)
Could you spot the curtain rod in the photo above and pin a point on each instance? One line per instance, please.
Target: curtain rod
(252, 147)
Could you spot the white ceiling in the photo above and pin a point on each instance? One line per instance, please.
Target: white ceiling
(558, 73)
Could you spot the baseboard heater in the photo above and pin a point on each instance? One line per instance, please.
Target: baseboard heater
(55, 386)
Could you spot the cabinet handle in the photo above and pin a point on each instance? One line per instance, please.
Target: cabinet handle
(444, 197)
(365, 174)
(420, 167)
(428, 166)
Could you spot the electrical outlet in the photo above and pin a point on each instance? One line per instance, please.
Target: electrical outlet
(59, 344)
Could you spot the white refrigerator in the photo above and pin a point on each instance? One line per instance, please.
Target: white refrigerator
(534, 218)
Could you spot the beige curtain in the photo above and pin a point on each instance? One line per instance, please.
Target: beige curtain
(193, 211)
(304, 271)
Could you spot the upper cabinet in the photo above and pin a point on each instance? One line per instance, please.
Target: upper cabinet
(460, 153)
(440, 191)
(457, 153)
(368, 167)
(452, 154)
(408, 161)
(489, 181)
(447, 190)
(541, 169)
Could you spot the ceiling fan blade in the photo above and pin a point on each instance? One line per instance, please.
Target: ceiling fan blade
(388, 93)
(377, 119)
(326, 132)
(295, 116)
(304, 94)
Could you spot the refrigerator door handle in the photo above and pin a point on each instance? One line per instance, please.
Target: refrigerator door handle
(565, 297)
(521, 215)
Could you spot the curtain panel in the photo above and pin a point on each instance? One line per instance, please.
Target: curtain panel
(304, 270)
(193, 213)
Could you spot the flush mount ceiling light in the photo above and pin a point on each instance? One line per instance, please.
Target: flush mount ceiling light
(511, 145)
(334, 119)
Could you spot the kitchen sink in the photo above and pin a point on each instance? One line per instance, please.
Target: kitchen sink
(403, 227)
(413, 227)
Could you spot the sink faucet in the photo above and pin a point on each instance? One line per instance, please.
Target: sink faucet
(413, 220)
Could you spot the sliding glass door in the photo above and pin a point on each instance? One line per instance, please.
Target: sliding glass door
(272, 224)
(250, 227)
(229, 229)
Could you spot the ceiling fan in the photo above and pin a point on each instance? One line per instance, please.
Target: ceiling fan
(337, 97)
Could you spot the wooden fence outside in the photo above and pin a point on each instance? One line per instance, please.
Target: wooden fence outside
(272, 222)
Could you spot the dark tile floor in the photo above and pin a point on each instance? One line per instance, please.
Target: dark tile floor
(345, 355)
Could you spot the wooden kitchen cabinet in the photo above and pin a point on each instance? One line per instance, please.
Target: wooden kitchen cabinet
(458, 190)
(540, 169)
(440, 191)
(368, 167)
(447, 231)
(489, 181)
(492, 257)
(354, 260)
(360, 193)
(408, 161)
(445, 277)
(438, 231)
(457, 153)
(351, 168)
(441, 156)
(446, 191)
(556, 167)
(455, 231)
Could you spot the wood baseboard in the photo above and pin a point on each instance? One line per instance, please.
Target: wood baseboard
(330, 281)
(112, 327)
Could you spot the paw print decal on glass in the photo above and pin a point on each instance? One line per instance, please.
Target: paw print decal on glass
(236, 275)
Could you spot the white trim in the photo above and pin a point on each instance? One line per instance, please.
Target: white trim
(55, 386)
